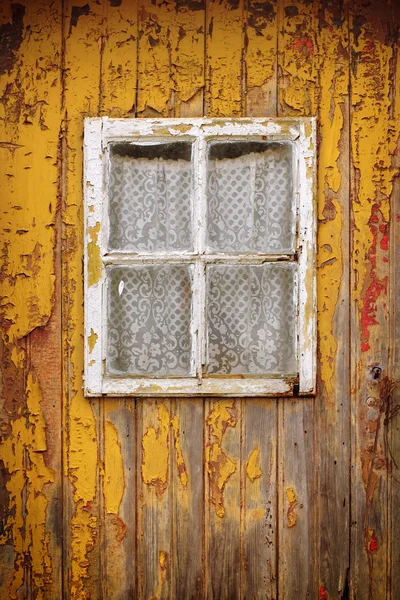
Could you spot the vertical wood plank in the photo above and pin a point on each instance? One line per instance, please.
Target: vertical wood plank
(30, 444)
(223, 419)
(83, 426)
(154, 500)
(373, 142)
(333, 402)
(394, 433)
(155, 85)
(297, 452)
(223, 502)
(119, 517)
(186, 444)
(118, 99)
(224, 64)
(260, 521)
(119, 60)
(187, 418)
(260, 58)
(259, 534)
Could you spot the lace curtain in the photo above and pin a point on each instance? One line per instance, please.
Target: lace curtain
(150, 204)
(250, 319)
(250, 202)
(149, 314)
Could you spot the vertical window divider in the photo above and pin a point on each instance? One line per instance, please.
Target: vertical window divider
(200, 236)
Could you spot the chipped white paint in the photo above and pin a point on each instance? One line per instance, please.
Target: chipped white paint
(99, 134)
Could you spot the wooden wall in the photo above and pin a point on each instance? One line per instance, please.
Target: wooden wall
(191, 499)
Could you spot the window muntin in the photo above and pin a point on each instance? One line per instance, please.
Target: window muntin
(208, 249)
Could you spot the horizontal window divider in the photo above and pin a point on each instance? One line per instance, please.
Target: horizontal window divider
(234, 259)
(193, 387)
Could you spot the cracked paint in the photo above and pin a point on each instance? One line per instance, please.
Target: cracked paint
(156, 449)
(219, 465)
(23, 454)
(253, 469)
(114, 481)
(291, 511)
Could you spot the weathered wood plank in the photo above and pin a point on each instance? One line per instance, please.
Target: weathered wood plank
(260, 518)
(372, 144)
(84, 434)
(30, 446)
(297, 452)
(333, 402)
(394, 427)
(118, 99)
(120, 499)
(259, 534)
(187, 479)
(260, 58)
(154, 506)
(223, 500)
(224, 64)
(119, 59)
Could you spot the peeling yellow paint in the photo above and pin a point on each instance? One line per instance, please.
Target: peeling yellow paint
(253, 469)
(92, 339)
(334, 72)
(23, 456)
(156, 452)
(114, 481)
(94, 259)
(296, 57)
(224, 59)
(291, 514)
(156, 449)
(219, 465)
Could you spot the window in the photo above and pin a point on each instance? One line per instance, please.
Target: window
(200, 257)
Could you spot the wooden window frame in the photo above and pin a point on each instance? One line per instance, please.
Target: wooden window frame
(99, 133)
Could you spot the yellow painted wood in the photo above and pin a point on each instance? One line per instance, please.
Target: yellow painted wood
(82, 59)
(173, 498)
(374, 136)
(224, 68)
(260, 58)
(333, 403)
(29, 126)
(297, 452)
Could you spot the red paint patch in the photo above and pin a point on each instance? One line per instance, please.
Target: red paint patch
(304, 45)
(323, 593)
(373, 543)
(380, 238)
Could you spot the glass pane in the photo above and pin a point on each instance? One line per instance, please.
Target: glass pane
(150, 197)
(251, 319)
(250, 197)
(149, 314)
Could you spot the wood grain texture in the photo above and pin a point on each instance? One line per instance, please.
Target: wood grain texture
(298, 453)
(84, 434)
(223, 499)
(30, 341)
(333, 402)
(183, 498)
(374, 139)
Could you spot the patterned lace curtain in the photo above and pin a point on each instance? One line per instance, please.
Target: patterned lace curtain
(250, 319)
(150, 204)
(250, 207)
(149, 319)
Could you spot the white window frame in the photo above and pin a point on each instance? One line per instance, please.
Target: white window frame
(98, 135)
